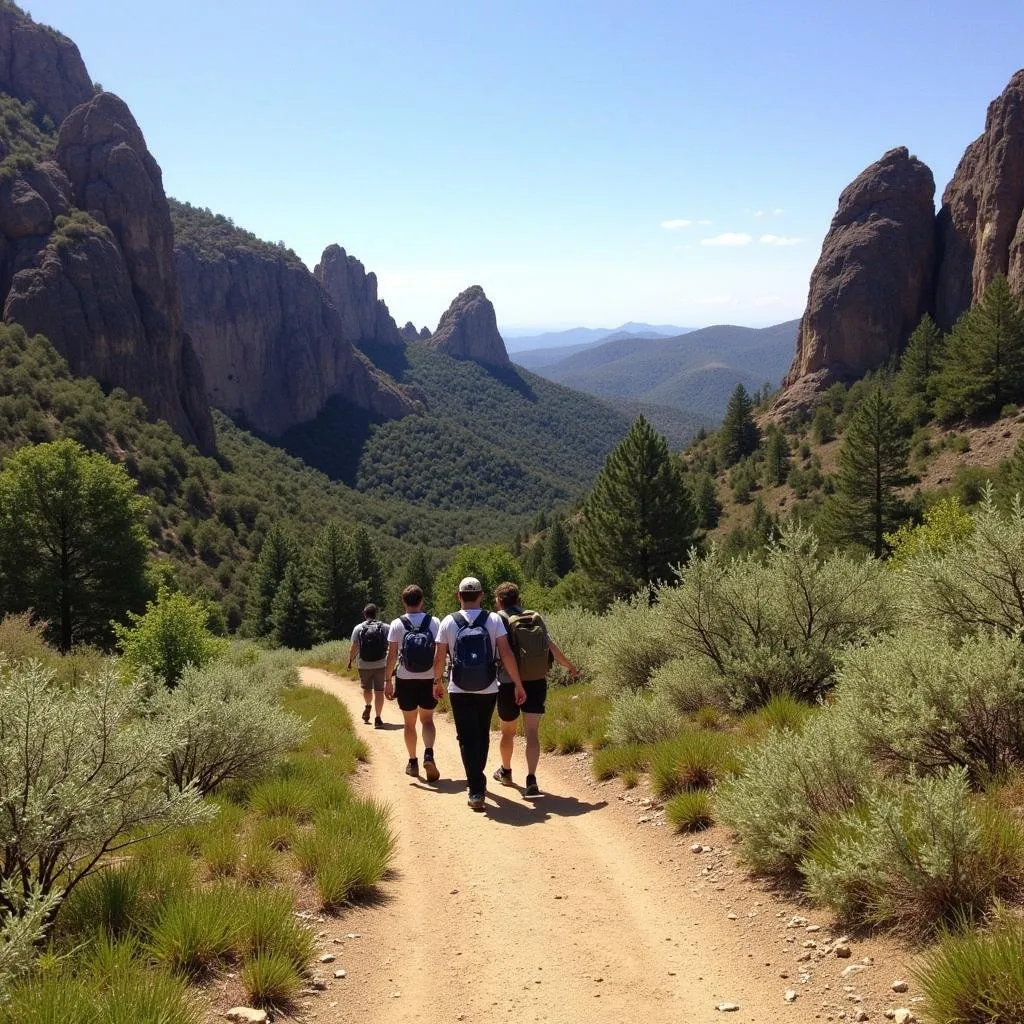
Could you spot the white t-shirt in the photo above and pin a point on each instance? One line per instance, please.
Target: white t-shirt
(397, 631)
(449, 631)
(356, 637)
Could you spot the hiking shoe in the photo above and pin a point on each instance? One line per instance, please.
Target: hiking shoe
(503, 775)
(430, 769)
(532, 789)
(366, 714)
(413, 767)
(476, 801)
(378, 722)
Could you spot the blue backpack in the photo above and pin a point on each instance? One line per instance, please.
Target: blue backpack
(417, 645)
(473, 655)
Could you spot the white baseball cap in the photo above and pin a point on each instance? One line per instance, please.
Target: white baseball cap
(471, 585)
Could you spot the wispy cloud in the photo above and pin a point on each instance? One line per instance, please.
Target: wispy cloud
(778, 211)
(779, 240)
(675, 224)
(704, 223)
(759, 214)
(730, 239)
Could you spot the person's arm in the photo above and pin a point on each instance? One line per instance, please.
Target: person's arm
(440, 653)
(353, 650)
(562, 660)
(508, 659)
(389, 669)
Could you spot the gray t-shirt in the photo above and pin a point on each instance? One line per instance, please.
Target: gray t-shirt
(357, 634)
(450, 630)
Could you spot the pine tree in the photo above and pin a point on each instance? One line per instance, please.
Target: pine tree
(1012, 476)
(336, 592)
(823, 425)
(416, 570)
(738, 436)
(984, 364)
(776, 457)
(705, 501)
(369, 565)
(639, 520)
(558, 558)
(872, 467)
(290, 613)
(921, 361)
(276, 554)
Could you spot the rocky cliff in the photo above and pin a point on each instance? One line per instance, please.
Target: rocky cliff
(410, 333)
(273, 347)
(980, 224)
(469, 330)
(364, 317)
(86, 254)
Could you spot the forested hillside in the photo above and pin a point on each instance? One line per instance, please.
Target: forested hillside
(491, 438)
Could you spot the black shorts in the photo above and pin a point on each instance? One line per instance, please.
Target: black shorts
(415, 693)
(536, 695)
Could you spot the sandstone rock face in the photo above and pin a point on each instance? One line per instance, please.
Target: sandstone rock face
(37, 63)
(410, 333)
(469, 330)
(364, 317)
(874, 279)
(272, 346)
(981, 227)
(104, 290)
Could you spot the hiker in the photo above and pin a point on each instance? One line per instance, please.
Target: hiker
(370, 647)
(410, 677)
(475, 639)
(534, 652)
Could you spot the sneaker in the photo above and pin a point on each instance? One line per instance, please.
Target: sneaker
(366, 714)
(430, 769)
(413, 767)
(503, 775)
(476, 801)
(378, 722)
(532, 789)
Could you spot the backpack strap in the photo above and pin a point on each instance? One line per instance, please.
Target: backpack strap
(482, 617)
(460, 620)
(407, 623)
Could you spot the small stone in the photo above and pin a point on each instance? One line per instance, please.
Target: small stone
(842, 951)
(318, 985)
(696, 848)
(341, 974)
(790, 995)
(813, 928)
(396, 995)
(327, 958)
(853, 969)
(900, 986)
(728, 1007)
(732, 917)
(862, 1015)
(903, 1016)
(353, 935)
(246, 1015)
(797, 922)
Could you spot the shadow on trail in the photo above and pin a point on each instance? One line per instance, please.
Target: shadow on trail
(441, 786)
(389, 727)
(538, 809)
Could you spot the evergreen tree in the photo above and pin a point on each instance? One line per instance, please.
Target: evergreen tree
(558, 560)
(776, 457)
(336, 592)
(73, 543)
(705, 501)
(639, 520)
(369, 565)
(919, 366)
(823, 425)
(984, 364)
(290, 613)
(417, 570)
(738, 436)
(277, 552)
(1012, 474)
(866, 504)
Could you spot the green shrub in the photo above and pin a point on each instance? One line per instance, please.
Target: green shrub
(780, 713)
(268, 927)
(221, 851)
(575, 631)
(270, 980)
(788, 784)
(258, 864)
(694, 759)
(284, 797)
(636, 717)
(197, 931)
(276, 832)
(920, 703)
(20, 932)
(918, 856)
(21, 639)
(629, 646)
(612, 761)
(689, 684)
(975, 978)
(690, 811)
(577, 717)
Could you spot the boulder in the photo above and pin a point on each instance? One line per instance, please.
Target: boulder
(469, 330)
(873, 281)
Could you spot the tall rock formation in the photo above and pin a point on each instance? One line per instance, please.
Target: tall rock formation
(99, 282)
(981, 223)
(410, 333)
(364, 317)
(873, 281)
(469, 330)
(273, 348)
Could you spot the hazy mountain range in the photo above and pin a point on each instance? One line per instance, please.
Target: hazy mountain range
(517, 341)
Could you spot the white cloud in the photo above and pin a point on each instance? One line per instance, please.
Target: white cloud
(730, 239)
(759, 214)
(779, 240)
(778, 211)
(675, 224)
(704, 223)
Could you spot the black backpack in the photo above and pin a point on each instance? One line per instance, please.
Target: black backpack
(373, 641)
(417, 645)
(473, 655)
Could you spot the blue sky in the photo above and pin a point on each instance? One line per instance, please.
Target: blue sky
(549, 150)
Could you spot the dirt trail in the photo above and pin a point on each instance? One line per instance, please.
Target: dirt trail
(558, 909)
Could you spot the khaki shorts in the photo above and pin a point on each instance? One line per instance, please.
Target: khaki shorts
(372, 678)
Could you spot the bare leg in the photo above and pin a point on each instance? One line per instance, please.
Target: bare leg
(409, 718)
(531, 726)
(378, 701)
(507, 742)
(368, 697)
(428, 728)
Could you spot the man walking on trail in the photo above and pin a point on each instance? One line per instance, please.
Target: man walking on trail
(370, 647)
(411, 639)
(476, 640)
(534, 651)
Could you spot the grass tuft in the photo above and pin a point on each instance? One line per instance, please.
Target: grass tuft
(270, 980)
(692, 760)
(691, 811)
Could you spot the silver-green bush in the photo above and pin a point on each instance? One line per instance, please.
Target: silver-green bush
(22, 925)
(639, 717)
(630, 645)
(574, 630)
(685, 685)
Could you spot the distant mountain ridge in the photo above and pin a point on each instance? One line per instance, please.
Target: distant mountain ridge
(587, 335)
